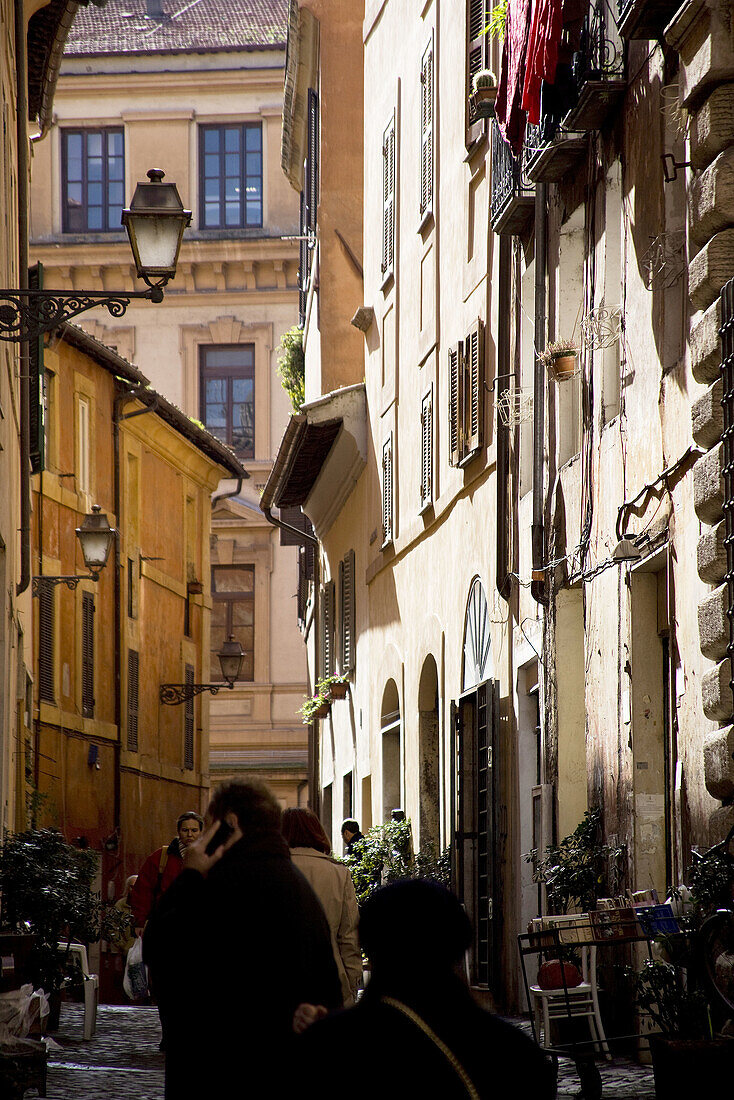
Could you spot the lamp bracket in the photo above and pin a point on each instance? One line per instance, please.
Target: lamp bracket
(173, 694)
(39, 583)
(26, 314)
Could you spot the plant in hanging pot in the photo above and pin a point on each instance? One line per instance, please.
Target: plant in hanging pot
(561, 359)
(333, 687)
(484, 93)
(315, 707)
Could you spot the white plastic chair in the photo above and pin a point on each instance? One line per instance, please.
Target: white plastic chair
(78, 952)
(580, 1001)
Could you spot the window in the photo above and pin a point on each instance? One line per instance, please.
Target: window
(346, 601)
(309, 203)
(233, 612)
(82, 454)
(427, 131)
(228, 395)
(466, 392)
(427, 450)
(477, 57)
(189, 721)
(46, 644)
(230, 176)
(88, 655)
(388, 200)
(387, 492)
(328, 616)
(133, 667)
(93, 172)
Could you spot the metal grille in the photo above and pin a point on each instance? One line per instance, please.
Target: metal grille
(133, 666)
(727, 401)
(508, 182)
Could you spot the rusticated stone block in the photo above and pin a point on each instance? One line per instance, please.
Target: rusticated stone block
(712, 555)
(718, 764)
(720, 822)
(711, 268)
(712, 127)
(708, 486)
(701, 33)
(716, 692)
(707, 417)
(713, 625)
(711, 199)
(705, 345)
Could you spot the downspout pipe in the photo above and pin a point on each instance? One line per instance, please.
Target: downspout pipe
(21, 67)
(503, 581)
(538, 582)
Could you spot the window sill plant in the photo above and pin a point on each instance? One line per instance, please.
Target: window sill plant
(333, 687)
(315, 707)
(484, 93)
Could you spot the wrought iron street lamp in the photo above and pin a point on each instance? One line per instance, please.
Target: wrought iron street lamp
(155, 221)
(231, 656)
(95, 537)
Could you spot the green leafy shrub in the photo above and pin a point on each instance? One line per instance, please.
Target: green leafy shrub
(574, 870)
(291, 366)
(497, 21)
(385, 854)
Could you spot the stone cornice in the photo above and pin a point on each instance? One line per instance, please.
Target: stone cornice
(194, 82)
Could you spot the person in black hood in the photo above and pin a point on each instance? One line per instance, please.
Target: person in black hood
(417, 1012)
(241, 940)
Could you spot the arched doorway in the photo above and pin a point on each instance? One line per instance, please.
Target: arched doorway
(391, 754)
(474, 723)
(429, 755)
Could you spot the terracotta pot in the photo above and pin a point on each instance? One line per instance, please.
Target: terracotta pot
(681, 1066)
(483, 101)
(322, 709)
(551, 975)
(339, 691)
(564, 364)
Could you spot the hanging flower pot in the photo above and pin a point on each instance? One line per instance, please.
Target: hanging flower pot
(561, 359)
(322, 709)
(333, 687)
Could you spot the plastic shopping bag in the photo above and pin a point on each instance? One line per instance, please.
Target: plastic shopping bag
(135, 981)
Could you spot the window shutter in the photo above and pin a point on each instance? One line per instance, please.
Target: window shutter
(474, 380)
(36, 386)
(346, 598)
(88, 655)
(189, 722)
(388, 199)
(329, 619)
(455, 404)
(477, 53)
(133, 668)
(312, 161)
(303, 253)
(46, 646)
(427, 449)
(427, 130)
(387, 491)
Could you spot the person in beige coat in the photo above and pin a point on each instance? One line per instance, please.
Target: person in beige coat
(331, 881)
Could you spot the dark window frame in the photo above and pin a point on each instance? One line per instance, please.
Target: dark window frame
(230, 373)
(230, 598)
(133, 698)
(242, 222)
(189, 725)
(84, 132)
(88, 611)
(47, 645)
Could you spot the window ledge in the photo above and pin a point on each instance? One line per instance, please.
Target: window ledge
(426, 220)
(388, 278)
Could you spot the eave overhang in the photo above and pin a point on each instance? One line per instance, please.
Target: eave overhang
(320, 458)
(301, 73)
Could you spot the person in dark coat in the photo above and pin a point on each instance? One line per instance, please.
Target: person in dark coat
(351, 835)
(417, 1016)
(240, 940)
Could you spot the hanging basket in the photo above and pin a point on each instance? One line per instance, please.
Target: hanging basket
(563, 365)
(514, 408)
(322, 709)
(339, 689)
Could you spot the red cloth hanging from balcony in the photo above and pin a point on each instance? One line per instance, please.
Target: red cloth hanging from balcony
(508, 110)
(546, 25)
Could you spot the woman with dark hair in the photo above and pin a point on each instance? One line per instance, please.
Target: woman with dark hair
(332, 883)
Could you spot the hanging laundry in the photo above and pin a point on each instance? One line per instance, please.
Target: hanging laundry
(508, 110)
(546, 25)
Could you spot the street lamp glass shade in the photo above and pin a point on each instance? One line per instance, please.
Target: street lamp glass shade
(95, 536)
(231, 656)
(155, 221)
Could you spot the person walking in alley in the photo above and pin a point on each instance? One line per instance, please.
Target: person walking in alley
(241, 940)
(332, 883)
(156, 875)
(417, 1012)
(351, 834)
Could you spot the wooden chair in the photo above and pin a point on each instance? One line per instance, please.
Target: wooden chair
(581, 1001)
(76, 953)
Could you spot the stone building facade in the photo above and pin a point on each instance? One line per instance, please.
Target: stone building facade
(197, 90)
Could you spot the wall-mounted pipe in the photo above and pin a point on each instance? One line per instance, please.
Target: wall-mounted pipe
(21, 66)
(503, 581)
(538, 583)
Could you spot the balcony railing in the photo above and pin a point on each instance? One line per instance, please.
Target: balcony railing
(550, 151)
(645, 18)
(512, 198)
(598, 71)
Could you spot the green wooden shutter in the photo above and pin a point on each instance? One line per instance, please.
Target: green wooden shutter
(46, 644)
(477, 53)
(346, 599)
(133, 672)
(474, 386)
(455, 404)
(427, 130)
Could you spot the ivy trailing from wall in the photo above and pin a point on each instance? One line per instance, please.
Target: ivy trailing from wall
(291, 369)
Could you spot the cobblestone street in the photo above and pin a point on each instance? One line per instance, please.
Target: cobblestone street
(122, 1062)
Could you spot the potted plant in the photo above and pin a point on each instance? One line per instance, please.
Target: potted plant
(484, 93)
(46, 888)
(561, 359)
(335, 687)
(317, 706)
(573, 870)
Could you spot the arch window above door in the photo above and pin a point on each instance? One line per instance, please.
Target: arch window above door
(477, 641)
